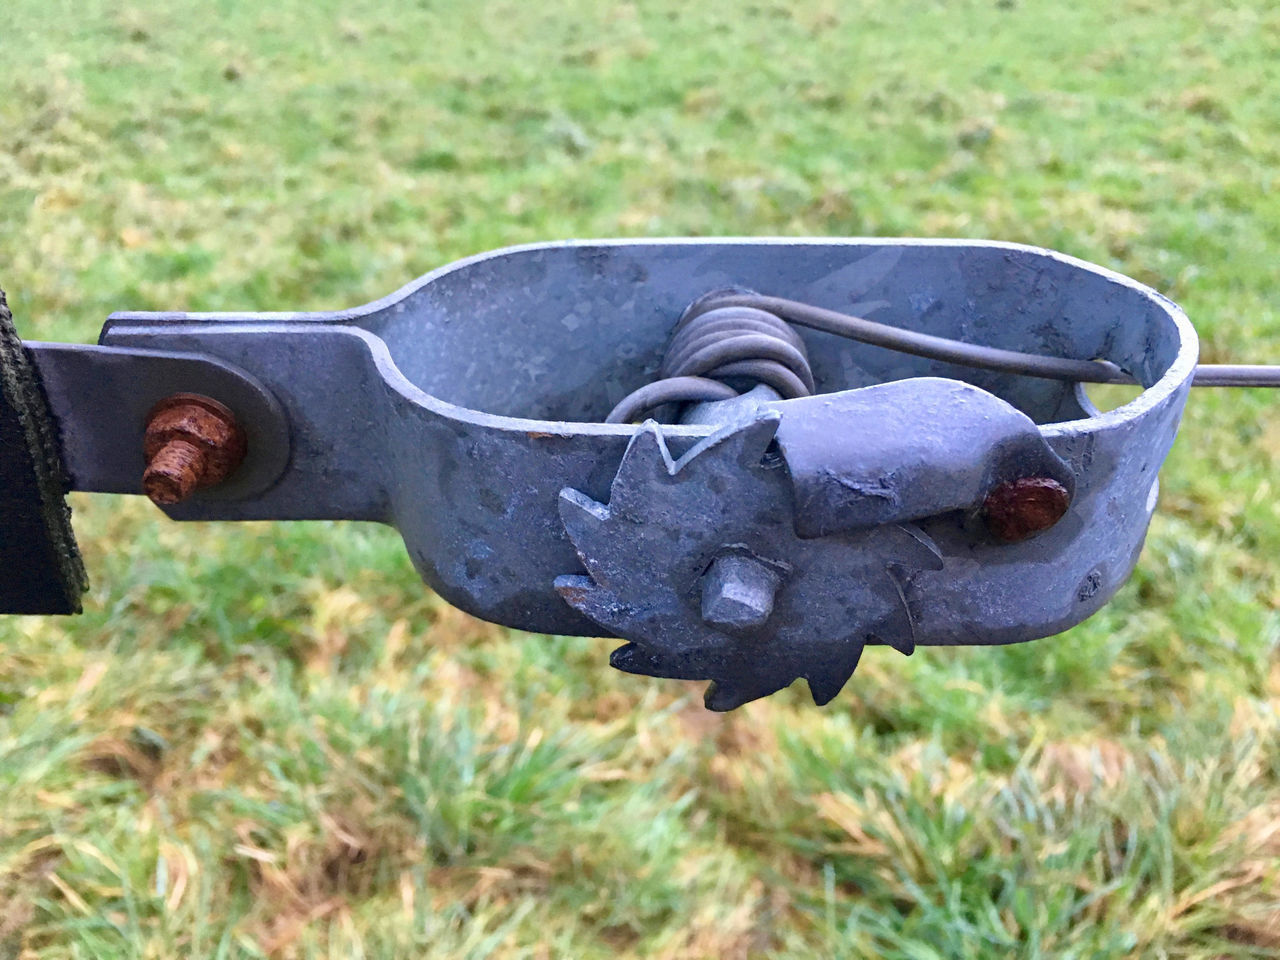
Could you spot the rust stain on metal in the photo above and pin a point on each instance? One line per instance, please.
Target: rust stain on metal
(1022, 508)
(574, 594)
(191, 442)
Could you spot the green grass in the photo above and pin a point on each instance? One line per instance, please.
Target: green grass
(273, 741)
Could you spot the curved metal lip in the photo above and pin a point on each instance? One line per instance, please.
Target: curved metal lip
(1179, 371)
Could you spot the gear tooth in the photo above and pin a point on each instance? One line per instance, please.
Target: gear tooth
(608, 610)
(828, 681)
(647, 455)
(579, 592)
(915, 548)
(578, 511)
(898, 628)
(647, 462)
(634, 658)
(592, 601)
(586, 523)
(904, 645)
(723, 695)
(743, 444)
(628, 659)
(721, 698)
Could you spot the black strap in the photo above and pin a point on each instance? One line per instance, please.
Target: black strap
(40, 566)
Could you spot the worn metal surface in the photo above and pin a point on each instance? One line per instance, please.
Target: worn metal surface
(458, 409)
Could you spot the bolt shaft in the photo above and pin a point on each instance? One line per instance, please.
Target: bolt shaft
(174, 472)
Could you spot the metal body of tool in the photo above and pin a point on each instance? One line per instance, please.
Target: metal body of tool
(759, 539)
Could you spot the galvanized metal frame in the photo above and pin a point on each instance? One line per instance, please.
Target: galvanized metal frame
(459, 407)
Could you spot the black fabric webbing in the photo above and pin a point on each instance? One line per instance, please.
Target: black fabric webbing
(40, 566)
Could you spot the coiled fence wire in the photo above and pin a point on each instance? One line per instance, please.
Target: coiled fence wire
(717, 348)
(730, 340)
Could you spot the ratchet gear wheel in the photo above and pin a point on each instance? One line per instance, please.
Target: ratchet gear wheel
(697, 563)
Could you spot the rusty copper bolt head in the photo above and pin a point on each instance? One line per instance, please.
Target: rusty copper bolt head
(1021, 508)
(191, 442)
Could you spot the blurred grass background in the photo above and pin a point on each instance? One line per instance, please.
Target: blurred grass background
(272, 741)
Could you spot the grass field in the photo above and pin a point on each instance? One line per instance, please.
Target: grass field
(273, 741)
